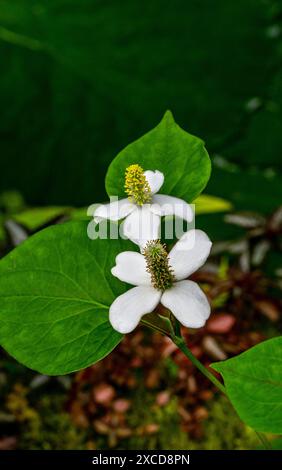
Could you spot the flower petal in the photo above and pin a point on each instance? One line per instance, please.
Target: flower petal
(141, 225)
(169, 205)
(189, 253)
(127, 310)
(155, 180)
(131, 268)
(114, 210)
(188, 303)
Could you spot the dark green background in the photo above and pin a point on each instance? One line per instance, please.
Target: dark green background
(80, 79)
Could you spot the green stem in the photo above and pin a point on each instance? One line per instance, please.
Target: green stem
(180, 343)
(154, 327)
(263, 439)
(182, 346)
(20, 40)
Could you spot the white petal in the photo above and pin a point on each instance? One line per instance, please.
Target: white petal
(127, 310)
(131, 268)
(189, 253)
(155, 180)
(188, 303)
(169, 205)
(141, 225)
(114, 210)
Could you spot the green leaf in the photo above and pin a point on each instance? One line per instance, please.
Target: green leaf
(253, 382)
(79, 214)
(11, 202)
(55, 290)
(276, 444)
(205, 204)
(36, 217)
(180, 156)
(2, 231)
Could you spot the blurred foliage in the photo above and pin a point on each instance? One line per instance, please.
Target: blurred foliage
(34, 218)
(247, 189)
(80, 80)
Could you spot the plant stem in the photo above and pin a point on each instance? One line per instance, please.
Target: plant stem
(183, 347)
(20, 40)
(154, 327)
(263, 439)
(180, 343)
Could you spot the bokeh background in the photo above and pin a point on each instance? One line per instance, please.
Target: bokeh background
(79, 80)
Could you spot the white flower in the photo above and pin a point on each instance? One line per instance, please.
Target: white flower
(143, 209)
(183, 298)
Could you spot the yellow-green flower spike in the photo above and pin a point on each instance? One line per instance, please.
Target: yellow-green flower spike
(136, 186)
(158, 267)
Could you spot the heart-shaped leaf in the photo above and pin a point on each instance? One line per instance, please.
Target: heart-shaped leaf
(181, 157)
(55, 290)
(253, 382)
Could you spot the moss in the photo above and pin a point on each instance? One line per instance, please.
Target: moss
(55, 433)
(222, 430)
(153, 427)
(46, 425)
(49, 427)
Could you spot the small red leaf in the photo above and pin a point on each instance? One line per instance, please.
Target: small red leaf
(121, 405)
(104, 393)
(221, 323)
(163, 398)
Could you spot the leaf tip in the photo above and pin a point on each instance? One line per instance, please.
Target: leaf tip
(168, 117)
(215, 366)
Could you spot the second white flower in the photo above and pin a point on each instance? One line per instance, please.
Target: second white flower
(161, 278)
